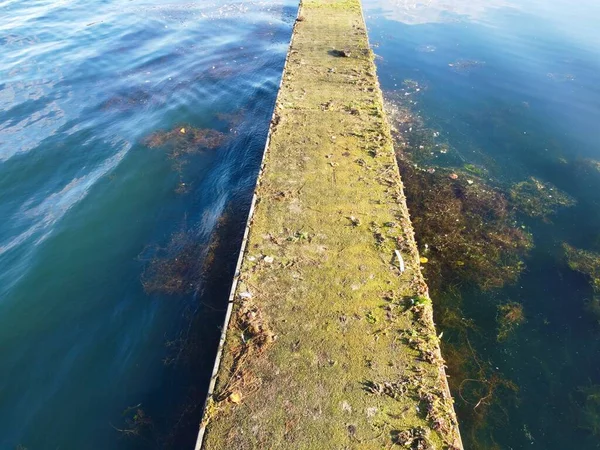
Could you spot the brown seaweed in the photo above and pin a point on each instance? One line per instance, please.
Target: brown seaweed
(177, 268)
(510, 317)
(466, 230)
(184, 139)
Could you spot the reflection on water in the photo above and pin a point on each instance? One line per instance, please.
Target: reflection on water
(414, 12)
(497, 103)
(130, 138)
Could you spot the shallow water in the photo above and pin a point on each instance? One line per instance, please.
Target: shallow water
(512, 87)
(88, 205)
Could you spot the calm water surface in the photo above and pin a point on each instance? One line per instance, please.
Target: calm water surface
(88, 204)
(92, 207)
(512, 87)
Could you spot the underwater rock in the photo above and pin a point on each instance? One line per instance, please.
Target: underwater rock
(539, 199)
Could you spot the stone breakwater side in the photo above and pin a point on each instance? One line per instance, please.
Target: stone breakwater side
(329, 340)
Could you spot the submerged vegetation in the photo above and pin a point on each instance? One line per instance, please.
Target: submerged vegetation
(510, 317)
(588, 264)
(539, 199)
(177, 268)
(465, 65)
(184, 139)
(585, 262)
(478, 387)
(467, 231)
(595, 165)
(589, 408)
(191, 264)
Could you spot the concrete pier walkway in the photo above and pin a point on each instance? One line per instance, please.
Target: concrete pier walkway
(329, 340)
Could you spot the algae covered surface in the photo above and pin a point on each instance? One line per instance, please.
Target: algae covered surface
(331, 342)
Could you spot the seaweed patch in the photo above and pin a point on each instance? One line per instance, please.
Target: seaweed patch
(537, 198)
(510, 317)
(184, 139)
(467, 231)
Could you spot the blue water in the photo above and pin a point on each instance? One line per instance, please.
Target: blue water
(87, 205)
(512, 86)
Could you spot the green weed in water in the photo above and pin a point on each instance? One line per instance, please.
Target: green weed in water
(585, 262)
(468, 228)
(593, 307)
(588, 264)
(589, 408)
(472, 168)
(539, 199)
(510, 316)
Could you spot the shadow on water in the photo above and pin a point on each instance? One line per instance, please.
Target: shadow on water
(207, 270)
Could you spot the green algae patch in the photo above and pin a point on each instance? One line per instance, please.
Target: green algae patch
(331, 342)
(585, 262)
(537, 198)
(588, 264)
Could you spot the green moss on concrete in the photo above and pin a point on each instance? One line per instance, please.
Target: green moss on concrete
(330, 344)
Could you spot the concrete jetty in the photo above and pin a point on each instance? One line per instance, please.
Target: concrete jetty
(329, 340)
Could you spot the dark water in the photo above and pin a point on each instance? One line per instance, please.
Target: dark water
(512, 87)
(90, 209)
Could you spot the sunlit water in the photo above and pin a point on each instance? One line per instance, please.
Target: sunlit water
(512, 86)
(86, 204)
